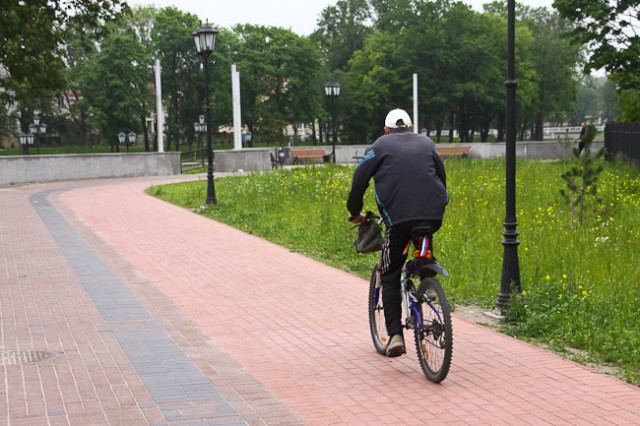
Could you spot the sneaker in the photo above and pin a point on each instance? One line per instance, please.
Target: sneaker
(396, 346)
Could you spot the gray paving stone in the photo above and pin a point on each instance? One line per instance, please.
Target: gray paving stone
(166, 371)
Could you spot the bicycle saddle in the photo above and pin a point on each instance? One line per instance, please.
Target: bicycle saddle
(421, 230)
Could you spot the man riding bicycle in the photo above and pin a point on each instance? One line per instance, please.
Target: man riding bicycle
(410, 188)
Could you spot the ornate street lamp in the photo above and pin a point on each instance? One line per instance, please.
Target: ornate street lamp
(26, 140)
(127, 139)
(202, 127)
(132, 139)
(332, 91)
(510, 266)
(205, 39)
(199, 127)
(246, 136)
(37, 129)
(122, 138)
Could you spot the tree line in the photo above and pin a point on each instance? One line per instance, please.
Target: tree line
(90, 73)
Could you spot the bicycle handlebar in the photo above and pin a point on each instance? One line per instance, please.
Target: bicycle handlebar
(372, 215)
(369, 216)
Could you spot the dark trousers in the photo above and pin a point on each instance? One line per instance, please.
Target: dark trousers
(396, 239)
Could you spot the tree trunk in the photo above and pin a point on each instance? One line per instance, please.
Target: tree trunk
(484, 134)
(538, 128)
(313, 134)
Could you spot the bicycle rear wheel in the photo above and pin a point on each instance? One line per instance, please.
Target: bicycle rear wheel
(434, 340)
(376, 314)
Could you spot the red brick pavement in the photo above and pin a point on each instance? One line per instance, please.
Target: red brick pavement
(299, 328)
(43, 308)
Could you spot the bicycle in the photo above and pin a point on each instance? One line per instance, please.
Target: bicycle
(426, 309)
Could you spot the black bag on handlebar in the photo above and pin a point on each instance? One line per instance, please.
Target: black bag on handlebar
(369, 239)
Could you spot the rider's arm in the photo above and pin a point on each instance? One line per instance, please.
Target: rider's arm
(361, 176)
(440, 171)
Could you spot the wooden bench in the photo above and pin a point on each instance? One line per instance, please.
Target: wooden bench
(453, 151)
(300, 155)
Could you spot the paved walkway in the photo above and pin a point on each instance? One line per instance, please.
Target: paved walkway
(119, 309)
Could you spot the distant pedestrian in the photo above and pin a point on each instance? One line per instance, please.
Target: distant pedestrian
(583, 129)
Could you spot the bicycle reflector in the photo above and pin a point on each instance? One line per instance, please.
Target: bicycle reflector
(425, 250)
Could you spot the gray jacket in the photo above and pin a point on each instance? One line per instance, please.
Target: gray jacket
(410, 179)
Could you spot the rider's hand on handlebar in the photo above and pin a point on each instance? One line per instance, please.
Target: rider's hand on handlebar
(358, 219)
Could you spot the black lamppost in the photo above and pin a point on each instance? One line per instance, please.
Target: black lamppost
(246, 137)
(205, 39)
(37, 129)
(510, 266)
(122, 138)
(200, 127)
(26, 140)
(332, 91)
(131, 139)
(127, 139)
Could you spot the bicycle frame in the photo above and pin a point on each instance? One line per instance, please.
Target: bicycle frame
(426, 309)
(410, 303)
(409, 293)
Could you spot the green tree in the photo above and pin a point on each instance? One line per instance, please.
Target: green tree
(609, 101)
(141, 22)
(630, 105)
(182, 80)
(79, 49)
(431, 39)
(278, 71)
(555, 59)
(342, 30)
(587, 101)
(476, 43)
(608, 31)
(380, 75)
(31, 36)
(6, 127)
(582, 179)
(545, 64)
(115, 81)
(373, 85)
(394, 15)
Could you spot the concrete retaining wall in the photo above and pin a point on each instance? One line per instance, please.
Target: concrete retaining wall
(45, 168)
(258, 159)
(548, 150)
(248, 160)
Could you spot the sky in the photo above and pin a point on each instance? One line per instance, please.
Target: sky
(300, 16)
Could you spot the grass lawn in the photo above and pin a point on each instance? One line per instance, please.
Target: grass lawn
(581, 283)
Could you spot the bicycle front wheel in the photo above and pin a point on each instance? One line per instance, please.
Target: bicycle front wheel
(376, 314)
(434, 339)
